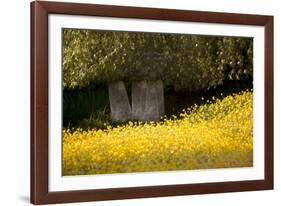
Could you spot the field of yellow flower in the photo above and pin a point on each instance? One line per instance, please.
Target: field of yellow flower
(218, 134)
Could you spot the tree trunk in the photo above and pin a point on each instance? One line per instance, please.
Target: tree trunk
(119, 102)
(147, 100)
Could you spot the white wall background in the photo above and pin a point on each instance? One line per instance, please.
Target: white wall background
(14, 102)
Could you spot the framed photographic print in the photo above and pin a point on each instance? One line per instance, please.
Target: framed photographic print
(131, 102)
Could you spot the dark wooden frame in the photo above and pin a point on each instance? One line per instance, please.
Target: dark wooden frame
(39, 102)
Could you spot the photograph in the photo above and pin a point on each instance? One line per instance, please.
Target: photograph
(141, 101)
(132, 102)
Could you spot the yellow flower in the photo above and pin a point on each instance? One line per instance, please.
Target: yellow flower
(214, 135)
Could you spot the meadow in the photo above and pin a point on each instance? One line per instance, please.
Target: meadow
(216, 134)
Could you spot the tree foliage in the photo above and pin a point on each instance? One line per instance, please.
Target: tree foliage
(186, 62)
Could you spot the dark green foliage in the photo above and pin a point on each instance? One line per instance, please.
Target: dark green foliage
(86, 107)
(99, 119)
(236, 56)
(185, 62)
(190, 63)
